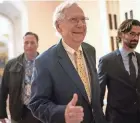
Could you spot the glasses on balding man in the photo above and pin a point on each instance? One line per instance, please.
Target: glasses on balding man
(75, 20)
(133, 34)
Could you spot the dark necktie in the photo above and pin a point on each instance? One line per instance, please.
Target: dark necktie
(132, 68)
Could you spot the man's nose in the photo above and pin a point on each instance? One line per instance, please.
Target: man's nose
(136, 37)
(29, 45)
(80, 23)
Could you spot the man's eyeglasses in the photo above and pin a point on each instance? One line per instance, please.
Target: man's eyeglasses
(75, 20)
(133, 34)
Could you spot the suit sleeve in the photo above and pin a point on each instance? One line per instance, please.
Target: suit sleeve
(41, 103)
(4, 90)
(102, 76)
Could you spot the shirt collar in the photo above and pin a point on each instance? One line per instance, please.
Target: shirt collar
(125, 52)
(69, 49)
(26, 59)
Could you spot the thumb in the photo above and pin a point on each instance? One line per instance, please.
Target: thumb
(74, 100)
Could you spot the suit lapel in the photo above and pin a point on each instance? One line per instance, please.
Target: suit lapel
(125, 73)
(90, 61)
(138, 62)
(68, 67)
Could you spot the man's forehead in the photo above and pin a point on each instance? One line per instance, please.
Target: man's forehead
(73, 11)
(135, 29)
(29, 36)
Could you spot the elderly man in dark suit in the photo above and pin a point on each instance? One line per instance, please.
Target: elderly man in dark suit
(65, 87)
(120, 71)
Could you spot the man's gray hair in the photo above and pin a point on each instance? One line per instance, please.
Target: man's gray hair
(59, 11)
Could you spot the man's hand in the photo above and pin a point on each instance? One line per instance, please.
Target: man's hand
(73, 113)
(2, 121)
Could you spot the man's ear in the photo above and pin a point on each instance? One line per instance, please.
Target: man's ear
(37, 45)
(58, 27)
(122, 35)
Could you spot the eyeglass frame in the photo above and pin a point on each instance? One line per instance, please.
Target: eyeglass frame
(75, 20)
(133, 34)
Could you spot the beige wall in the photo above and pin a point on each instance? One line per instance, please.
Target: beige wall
(40, 21)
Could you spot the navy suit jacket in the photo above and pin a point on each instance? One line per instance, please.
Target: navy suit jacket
(123, 95)
(55, 82)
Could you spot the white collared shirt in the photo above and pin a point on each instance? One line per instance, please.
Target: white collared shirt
(71, 54)
(125, 59)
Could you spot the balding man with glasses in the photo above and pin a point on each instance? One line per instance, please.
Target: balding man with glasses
(65, 88)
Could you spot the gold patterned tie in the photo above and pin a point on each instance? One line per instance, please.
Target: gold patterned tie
(82, 72)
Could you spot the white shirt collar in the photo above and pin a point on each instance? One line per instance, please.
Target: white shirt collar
(69, 49)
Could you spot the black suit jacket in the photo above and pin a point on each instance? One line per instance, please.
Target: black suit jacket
(123, 96)
(57, 80)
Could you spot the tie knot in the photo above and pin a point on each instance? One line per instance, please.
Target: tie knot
(78, 53)
(130, 55)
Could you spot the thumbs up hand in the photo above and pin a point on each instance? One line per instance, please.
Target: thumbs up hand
(73, 113)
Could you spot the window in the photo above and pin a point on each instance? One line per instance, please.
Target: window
(112, 42)
(115, 21)
(117, 43)
(126, 16)
(131, 14)
(110, 21)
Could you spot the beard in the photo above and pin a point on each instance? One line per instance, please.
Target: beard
(132, 44)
